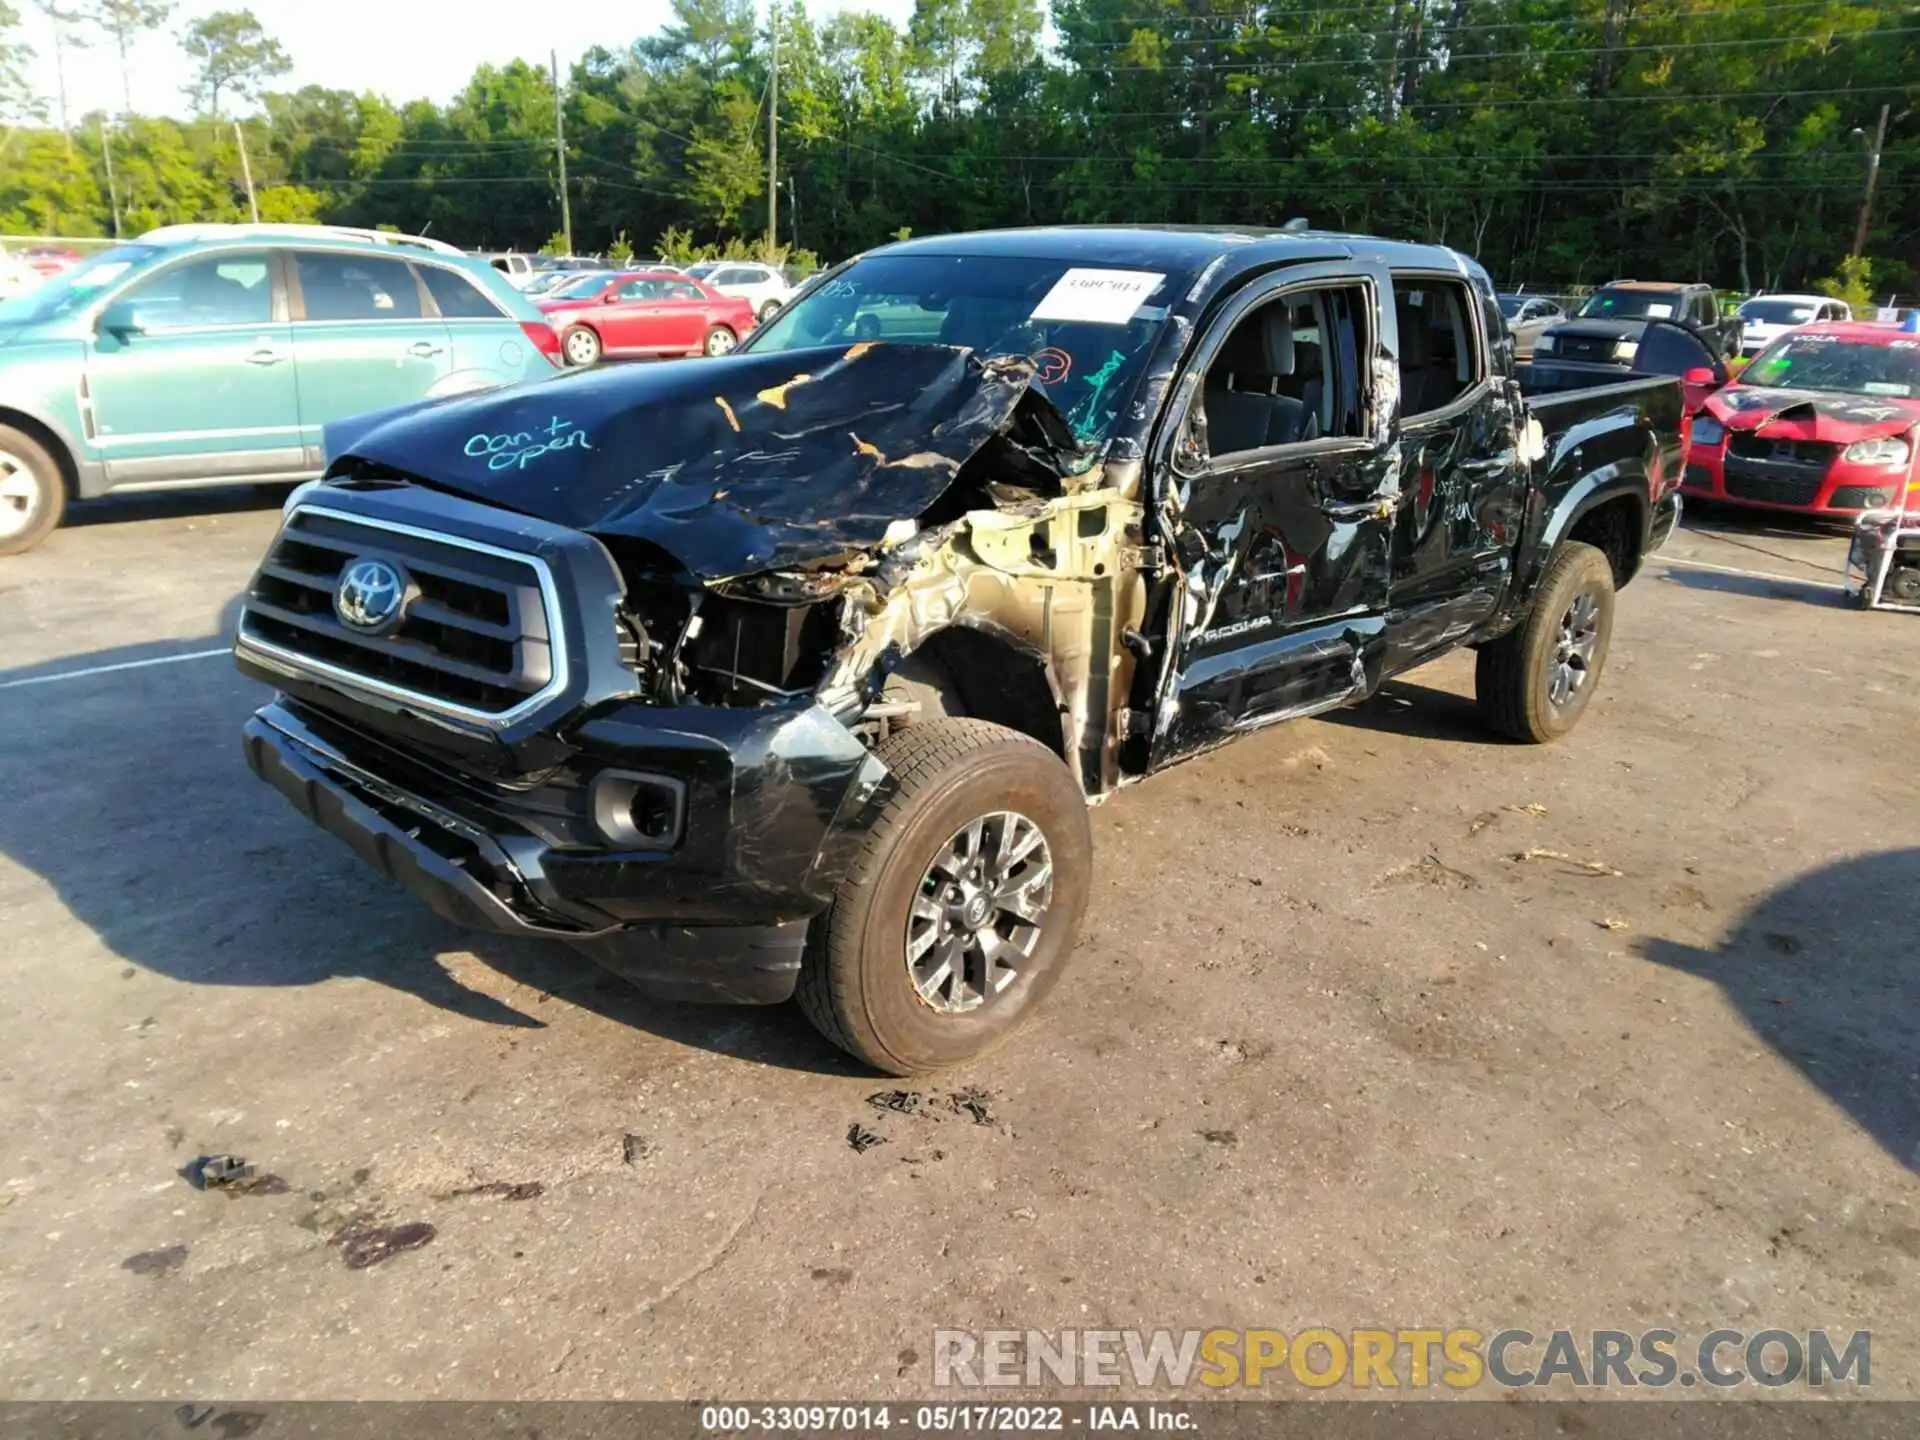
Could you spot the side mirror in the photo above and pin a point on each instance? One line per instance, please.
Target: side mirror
(612, 297)
(121, 320)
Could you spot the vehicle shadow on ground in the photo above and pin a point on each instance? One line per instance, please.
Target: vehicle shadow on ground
(129, 796)
(1825, 970)
(1811, 591)
(168, 504)
(1401, 707)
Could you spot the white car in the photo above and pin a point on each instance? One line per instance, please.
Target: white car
(1765, 318)
(16, 276)
(761, 286)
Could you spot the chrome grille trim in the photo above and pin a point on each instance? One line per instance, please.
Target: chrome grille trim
(299, 663)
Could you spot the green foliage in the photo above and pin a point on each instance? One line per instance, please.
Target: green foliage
(1563, 141)
(555, 244)
(1853, 284)
(234, 56)
(620, 250)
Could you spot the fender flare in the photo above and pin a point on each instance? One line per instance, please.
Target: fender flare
(85, 476)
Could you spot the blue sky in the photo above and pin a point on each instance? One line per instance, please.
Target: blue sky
(404, 49)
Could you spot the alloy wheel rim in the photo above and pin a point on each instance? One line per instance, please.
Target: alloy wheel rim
(979, 912)
(580, 348)
(19, 495)
(1570, 665)
(719, 343)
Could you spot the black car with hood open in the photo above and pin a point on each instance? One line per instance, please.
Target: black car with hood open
(794, 671)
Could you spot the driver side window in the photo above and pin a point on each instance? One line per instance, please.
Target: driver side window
(1287, 373)
(218, 290)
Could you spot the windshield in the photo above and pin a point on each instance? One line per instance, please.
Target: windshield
(703, 269)
(578, 288)
(1777, 312)
(76, 287)
(1087, 329)
(1510, 305)
(1827, 362)
(1633, 305)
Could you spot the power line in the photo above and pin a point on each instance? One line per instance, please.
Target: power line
(1276, 14)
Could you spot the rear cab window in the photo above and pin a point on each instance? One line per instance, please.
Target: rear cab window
(1440, 356)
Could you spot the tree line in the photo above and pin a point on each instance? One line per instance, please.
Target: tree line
(1562, 141)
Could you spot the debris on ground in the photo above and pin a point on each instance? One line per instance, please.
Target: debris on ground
(1431, 870)
(500, 1190)
(1612, 922)
(364, 1245)
(863, 1140)
(155, 1262)
(1220, 1137)
(832, 1275)
(900, 1102)
(1575, 866)
(1781, 943)
(1533, 809)
(634, 1147)
(973, 1103)
(231, 1176)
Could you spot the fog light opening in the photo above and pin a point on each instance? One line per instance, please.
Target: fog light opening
(640, 812)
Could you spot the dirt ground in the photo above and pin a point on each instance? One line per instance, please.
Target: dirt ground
(1374, 1021)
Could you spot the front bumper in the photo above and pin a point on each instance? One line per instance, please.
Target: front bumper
(1845, 491)
(775, 803)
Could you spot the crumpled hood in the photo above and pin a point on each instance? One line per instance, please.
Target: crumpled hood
(1826, 415)
(732, 466)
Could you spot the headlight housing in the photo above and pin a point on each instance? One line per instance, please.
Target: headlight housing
(1707, 430)
(1624, 350)
(1889, 450)
(1543, 345)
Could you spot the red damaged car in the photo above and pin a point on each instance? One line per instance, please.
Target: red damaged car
(644, 313)
(1823, 422)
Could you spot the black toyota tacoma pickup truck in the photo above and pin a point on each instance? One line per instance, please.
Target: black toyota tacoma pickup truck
(795, 671)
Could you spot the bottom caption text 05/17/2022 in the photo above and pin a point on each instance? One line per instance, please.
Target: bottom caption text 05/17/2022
(942, 1418)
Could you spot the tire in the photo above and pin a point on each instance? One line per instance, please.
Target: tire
(1517, 677)
(720, 341)
(581, 346)
(768, 311)
(953, 774)
(33, 494)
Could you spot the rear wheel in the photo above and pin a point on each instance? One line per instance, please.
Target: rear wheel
(957, 916)
(32, 494)
(720, 341)
(767, 311)
(1534, 682)
(581, 346)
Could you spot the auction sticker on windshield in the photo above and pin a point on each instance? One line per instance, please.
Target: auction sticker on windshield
(1098, 297)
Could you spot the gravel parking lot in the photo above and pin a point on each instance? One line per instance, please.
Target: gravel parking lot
(1374, 1021)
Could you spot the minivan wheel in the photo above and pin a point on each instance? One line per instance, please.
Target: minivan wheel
(720, 341)
(957, 915)
(581, 346)
(1534, 682)
(32, 495)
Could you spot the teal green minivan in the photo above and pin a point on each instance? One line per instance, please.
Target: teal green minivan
(215, 354)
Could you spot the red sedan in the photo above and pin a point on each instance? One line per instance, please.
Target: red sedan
(1823, 422)
(644, 313)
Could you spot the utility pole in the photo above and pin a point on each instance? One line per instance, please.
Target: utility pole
(1873, 176)
(793, 213)
(773, 133)
(113, 191)
(560, 149)
(246, 172)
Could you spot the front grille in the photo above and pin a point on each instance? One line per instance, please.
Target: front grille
(474, 633)
(1586, 348)
(1769, 486)
(1811, 453)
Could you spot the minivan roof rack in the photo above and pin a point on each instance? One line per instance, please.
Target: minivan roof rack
(168, 234)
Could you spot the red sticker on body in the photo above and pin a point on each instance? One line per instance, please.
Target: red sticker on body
(1051, 366)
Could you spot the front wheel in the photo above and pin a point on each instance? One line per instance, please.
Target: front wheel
(581, 346)
(957, 916)
(720, 341)
(32, 496)
(1534, 682)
